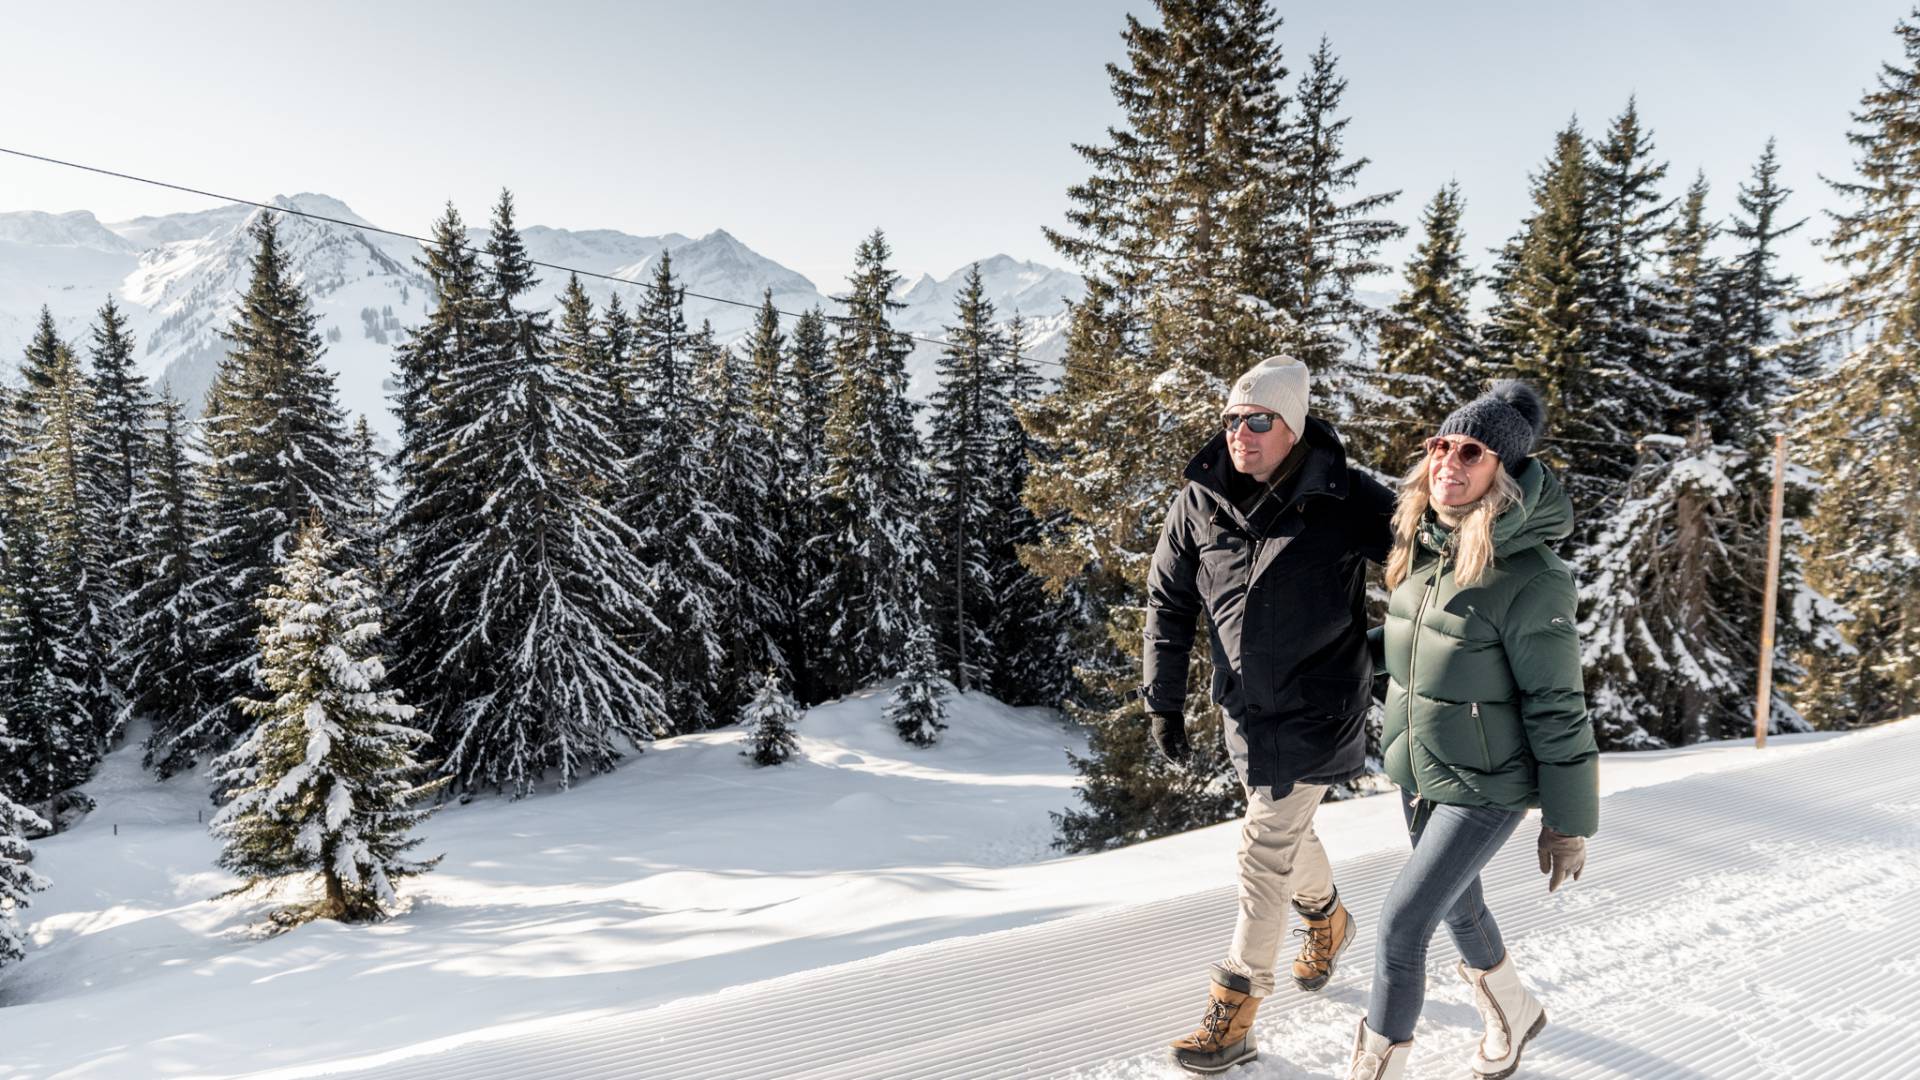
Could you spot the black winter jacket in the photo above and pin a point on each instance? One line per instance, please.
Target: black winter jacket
(1285, 594)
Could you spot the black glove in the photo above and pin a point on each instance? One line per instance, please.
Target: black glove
(1170, 735)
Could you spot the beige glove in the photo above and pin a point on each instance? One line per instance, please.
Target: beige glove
(1561, 856)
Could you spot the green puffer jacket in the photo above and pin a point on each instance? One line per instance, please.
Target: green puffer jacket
(1485, 705)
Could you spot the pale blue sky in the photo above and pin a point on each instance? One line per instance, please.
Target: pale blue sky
(800, 126)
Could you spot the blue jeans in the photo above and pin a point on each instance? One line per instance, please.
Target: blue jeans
(1451, 845)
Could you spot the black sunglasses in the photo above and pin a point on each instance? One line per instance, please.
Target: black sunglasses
(1261, 422)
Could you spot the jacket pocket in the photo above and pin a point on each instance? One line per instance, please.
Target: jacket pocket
(1336, 695)
(1452, 734)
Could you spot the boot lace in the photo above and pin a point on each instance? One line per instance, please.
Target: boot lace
(1317, 949)
(1219, 1015)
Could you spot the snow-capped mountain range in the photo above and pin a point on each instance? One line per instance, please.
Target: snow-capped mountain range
(178, 277)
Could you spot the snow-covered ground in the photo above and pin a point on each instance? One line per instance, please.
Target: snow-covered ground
(659, 898)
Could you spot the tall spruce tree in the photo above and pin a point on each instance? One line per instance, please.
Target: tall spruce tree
(750, 598)
(1337, 240)
(964, 448)
(327, 782)
(877, 554)
(1029, 625)
(669, 504)
(1630, 309)
(807, 375)
(51, 748)
(1186, 232)
(118, 440)
(1430, 350)
(1859, 421)
(72, 526)
(436, 507)
(541, 671)
(770, 415)
(159, 651)
(274, 442)
(363, 503)
(1694, 341)
(36, 367)
(1545, 326)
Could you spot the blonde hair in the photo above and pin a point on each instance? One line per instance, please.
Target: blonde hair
(1473, 536)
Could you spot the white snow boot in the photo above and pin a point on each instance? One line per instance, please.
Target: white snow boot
(1374, 1058)
(1513, 1017)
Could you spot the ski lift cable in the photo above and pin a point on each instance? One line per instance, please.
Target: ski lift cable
(296, 212)
(840, 319)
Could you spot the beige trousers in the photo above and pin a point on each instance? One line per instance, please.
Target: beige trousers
(1281, 860)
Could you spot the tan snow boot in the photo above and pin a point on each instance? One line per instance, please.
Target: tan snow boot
(1225, 1035)
(1374, 1058)
(1327, 933)
(1512, 1015)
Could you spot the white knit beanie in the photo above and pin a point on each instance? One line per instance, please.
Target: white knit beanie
(1279, 384)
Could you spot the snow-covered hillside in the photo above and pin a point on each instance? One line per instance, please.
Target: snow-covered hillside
(869, 889)
(178, 276)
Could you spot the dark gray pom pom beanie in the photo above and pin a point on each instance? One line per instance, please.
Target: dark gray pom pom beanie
(1509, 418)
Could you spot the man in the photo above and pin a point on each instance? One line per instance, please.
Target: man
(1268, 538)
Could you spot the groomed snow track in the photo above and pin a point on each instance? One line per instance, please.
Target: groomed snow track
(1758, 923)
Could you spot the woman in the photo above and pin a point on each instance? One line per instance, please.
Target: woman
(1485, 717)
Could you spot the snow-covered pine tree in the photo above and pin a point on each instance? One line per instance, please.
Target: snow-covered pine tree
(118, 440)
(669, 503)
(51, 748)
(159, 650)
(327, 782)
(1693, 340)
(434, 501)
(878, 567)
(1859, 421)
(541, 671)
(274, 442)
(1667, 663)
(1763, 361)
(1337, 242)
(363, 503)
(1207, 265)
(749, 597)
(1430, 350)
(1630, 308)
(916, 708)
(1029, 625)
(969, 414)
(1104, 494)
(36, 368)
(17, 879)
(1189, 283)
(807, 375)
(1544, 327)
(779, 566)
(72, 529)
(769, 717)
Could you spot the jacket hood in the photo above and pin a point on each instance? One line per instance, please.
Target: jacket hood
(1543, 516)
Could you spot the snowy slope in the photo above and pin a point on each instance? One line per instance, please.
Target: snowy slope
(684, 871)
(1754, 923)
(622, 906)
(178, 276)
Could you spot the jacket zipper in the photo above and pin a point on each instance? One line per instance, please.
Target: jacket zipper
(1413, 656)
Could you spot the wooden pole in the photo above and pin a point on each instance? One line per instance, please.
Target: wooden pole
(1763, 701)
